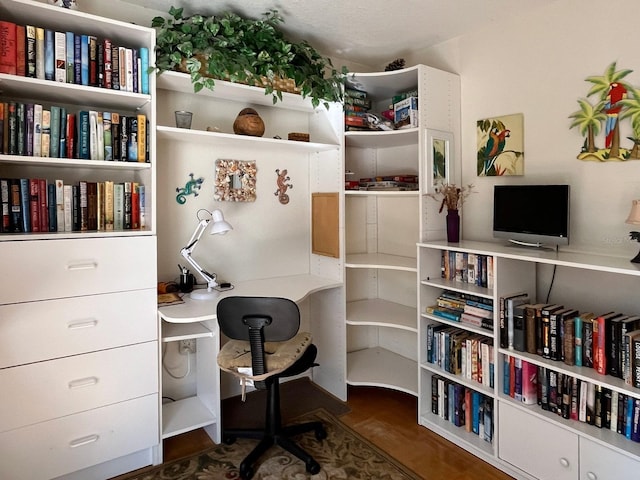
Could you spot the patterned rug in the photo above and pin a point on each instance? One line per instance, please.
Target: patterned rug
(343, 455)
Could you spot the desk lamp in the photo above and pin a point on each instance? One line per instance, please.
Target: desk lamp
(634, 219)
(218, 226)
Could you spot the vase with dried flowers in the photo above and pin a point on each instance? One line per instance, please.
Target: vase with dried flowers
(452, 197)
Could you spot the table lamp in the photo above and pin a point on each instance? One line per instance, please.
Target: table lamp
(218, 226)
(634, 219)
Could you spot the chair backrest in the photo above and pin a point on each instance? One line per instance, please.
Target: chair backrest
(258, 320)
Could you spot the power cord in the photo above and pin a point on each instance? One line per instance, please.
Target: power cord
(168, 369)
(553, 277)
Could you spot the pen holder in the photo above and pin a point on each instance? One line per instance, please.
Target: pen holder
(187, 281)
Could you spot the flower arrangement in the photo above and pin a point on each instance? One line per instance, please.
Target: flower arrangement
(452, 196)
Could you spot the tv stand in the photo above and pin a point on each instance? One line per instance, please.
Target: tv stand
(520, 243)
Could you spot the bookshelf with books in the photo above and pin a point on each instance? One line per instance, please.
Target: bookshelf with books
(83, 300)
(386, 213)
(578, 422)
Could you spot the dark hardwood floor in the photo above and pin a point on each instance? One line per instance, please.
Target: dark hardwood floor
(389, 420)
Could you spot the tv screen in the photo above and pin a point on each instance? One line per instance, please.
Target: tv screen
(532, 215)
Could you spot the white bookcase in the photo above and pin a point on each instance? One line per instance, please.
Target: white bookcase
(528, 442)
(382, 227)
(78, 323)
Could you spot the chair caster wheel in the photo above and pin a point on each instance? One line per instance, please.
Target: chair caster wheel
(229, 440)
(321, 434)
(246, 472)
(313, 467)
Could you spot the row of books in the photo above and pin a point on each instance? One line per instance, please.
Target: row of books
(32, 129)
(464, 308)
(462, 406)
(607, 342)
(461, 353)
(40, 205)
(466, 267)
(571, 397)
(385, 182)
(70, 57)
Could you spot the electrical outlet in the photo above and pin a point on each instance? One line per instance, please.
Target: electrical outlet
(187, 346)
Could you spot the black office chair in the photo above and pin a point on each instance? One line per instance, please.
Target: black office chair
(252, 324)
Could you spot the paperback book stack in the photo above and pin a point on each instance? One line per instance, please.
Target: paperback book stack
(464, 308)
(357, 105)
(389, 183)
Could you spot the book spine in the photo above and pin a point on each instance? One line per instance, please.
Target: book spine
(84, 206)
(635, 361)
(15, 206)
(108, 205)
(44, 209)
(51, 207)
(20, 130)
(37, 130)
(124, 137)
(31, 51)
(70, 49)
(34, 204)
(59, 202)
(46, 133)
(40, 53)
(100, 62)
(115, 135)
(5, 222)
(142, 137)
(21, 51)
(108, 140)
(128, 55)
(84, 60)
(100, 135)
(29, 125)
(93, 61)
(142, 202)
(115, 67)
(62, 144)
(93, 135)
(118, 206)
(49, 54)
(77, 59)
(578, 341)
(135, 62)
(71, 135)
(107, 61)
(68, 208)
(144, 70)
(8, 48)
(83, 134)
(60, 56)
(24, 204)
(12, 146)
(54, 144)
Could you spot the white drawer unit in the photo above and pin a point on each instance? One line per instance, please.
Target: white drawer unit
(73, 384)
(42, 270)
(57, 447)
(70, 326)
(597, 462)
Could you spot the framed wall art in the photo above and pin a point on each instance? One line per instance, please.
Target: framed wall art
(439, 159)
(235, 181)
(501, 145)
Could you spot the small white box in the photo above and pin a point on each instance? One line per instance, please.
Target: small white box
(405, 113)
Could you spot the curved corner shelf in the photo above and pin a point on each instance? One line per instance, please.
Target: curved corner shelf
(383, 193)
(384, 139)
(378, 367)
(381, 313)
(72, 163)
(381, 260)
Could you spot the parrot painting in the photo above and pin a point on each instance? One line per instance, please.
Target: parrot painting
(494, 147)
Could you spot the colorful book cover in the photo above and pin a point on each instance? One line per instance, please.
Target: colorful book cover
(60, 56)
(144, 70)
(84, 59)
(49, 54)
(70, 49)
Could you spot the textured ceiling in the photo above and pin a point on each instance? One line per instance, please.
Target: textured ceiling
(368, 32)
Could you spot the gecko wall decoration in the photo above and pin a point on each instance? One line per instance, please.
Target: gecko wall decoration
(190, 188)
(282, 186)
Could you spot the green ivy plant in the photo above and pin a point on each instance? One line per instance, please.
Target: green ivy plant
(243, 50)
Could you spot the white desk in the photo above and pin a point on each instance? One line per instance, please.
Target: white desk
(197, 319)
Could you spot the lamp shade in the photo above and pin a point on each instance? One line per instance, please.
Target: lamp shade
(218, 224)
(634, 214)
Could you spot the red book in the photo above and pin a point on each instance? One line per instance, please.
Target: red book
(600, 341)
(71, 135)
(34, 204)
(8, 48)
(44, 211)
(21, 50)
(135, 207)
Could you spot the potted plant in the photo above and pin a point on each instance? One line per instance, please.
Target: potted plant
(237, 49)
(452, 197)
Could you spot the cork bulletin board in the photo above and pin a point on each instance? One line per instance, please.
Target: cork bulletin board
(325, 239)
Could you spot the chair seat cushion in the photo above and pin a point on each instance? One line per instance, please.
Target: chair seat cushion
(278, 355)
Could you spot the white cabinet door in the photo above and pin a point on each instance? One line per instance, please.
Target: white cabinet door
(598, 462)
(531, 444)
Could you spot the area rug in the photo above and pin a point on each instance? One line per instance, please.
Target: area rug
(343, 455)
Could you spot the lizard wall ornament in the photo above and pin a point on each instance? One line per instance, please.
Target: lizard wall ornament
(282, 186)
(190, 188)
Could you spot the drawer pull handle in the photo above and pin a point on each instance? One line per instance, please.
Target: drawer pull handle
(592, 476)
(83, 324)
(79, 442)
(83, 382)
(83, 266)
(564, 462)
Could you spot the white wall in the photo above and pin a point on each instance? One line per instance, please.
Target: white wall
(537, 66)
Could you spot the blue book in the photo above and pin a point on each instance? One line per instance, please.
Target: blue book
(134, 64)
(144, 70)
(49, 55)
(506, 377)
(77, 59)
(475, 409)
(578, 341)
(24, 204)
(628, 423)
(70, 54)
(83, 134)
(54, 143)
(51, 207)
(84, 59)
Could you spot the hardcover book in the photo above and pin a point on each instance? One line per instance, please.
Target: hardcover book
(40, 53)
(70, 49)
(30, 51)
(8, 53)
(49, 54)
(21, 51)
(60, 56)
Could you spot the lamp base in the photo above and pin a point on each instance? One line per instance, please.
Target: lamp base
(636, 259)
(203, 294)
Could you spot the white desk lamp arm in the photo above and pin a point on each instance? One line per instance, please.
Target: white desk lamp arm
(186, 252)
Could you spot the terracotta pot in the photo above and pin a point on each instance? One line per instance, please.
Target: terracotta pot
(248, 122)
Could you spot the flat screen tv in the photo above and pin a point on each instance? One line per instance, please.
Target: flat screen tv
(531, 215)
